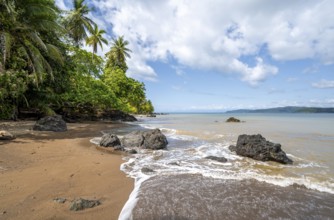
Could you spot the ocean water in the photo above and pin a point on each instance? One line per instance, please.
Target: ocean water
(185, 185)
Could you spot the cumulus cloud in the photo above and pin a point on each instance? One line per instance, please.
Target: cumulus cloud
(324, 84)
(217, 35)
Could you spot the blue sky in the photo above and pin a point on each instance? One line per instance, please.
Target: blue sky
(217, 55)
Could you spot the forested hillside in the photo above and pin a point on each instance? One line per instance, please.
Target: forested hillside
(43, 66)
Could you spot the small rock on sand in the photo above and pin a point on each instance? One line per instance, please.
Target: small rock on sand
(81, 204)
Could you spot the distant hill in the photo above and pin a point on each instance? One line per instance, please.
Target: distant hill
(288, 109)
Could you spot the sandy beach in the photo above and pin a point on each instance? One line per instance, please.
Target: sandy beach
(38, 167)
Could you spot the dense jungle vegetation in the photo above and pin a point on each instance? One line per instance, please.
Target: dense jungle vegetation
(43, 66)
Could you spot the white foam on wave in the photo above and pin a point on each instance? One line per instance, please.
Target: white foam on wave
(126, 212)
(277, 180)
(192, 161)
(186, 155)
(95, 140)
(217, 149)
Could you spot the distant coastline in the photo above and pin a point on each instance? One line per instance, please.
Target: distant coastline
(287, 109)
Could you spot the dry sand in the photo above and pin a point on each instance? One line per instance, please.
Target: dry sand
(38, 167)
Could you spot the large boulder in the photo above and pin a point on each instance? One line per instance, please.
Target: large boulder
(50, 123)
(232, 119)
(152, 139)
(133, 139)
(258, 148)
(5, 135)
(111, 140)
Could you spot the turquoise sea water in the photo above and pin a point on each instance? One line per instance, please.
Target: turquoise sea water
(308, 139)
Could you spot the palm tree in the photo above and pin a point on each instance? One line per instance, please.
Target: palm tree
(28, 34)
(21, 36)
(77, 22)
(96, 39)
(118, 53)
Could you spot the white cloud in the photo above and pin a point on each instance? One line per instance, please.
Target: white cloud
(216, 35)
(324, 84)
(61, 4)
(259, 72)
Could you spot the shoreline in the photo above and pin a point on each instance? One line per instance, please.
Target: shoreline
(38, 167)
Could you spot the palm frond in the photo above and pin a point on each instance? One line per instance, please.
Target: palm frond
(55, 54)
(37, 40)
(39, 10)
(104, 41)
(47, 25)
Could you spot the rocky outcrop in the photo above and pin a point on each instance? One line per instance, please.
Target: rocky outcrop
(152, 139)
(111, 140)
(219, 159)
(88, 112)
(81, 204)
(50, 123)
(233, 119)
(5, 135)
(258, 148)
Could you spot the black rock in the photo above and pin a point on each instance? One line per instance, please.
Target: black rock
(50, 123)
(232, 119)
(219, 159)
(81, 204)
(258, 148)
(132, 151)
(232, 148)
(110, 140)
(146, 170)
(133, 139)
(299, 186)
(129, 118)
(174, 164)
(152, 139)
(74, 113)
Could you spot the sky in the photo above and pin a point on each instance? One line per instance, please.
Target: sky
(219, 55)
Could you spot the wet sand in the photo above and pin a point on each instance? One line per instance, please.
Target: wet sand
(38, 167)
(194, 197)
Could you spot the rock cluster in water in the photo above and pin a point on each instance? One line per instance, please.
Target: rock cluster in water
(50, 123)
(258, 148)
(151, 139)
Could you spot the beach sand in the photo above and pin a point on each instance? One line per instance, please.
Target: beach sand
(38, 167)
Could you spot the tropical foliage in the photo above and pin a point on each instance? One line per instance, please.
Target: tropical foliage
(42, 66)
